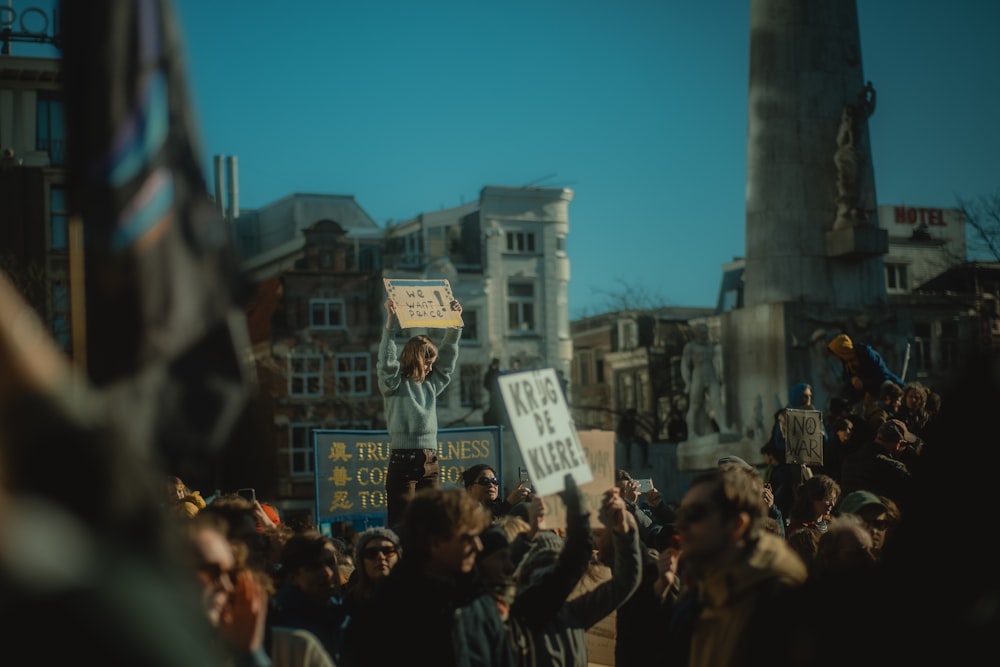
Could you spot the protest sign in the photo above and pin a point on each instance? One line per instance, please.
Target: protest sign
(804, 436)
(599, 448)
(423, 303)
(544, 429)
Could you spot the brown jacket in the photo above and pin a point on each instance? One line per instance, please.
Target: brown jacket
(732, 600)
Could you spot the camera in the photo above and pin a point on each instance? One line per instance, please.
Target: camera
(645, 484)
(248, 493)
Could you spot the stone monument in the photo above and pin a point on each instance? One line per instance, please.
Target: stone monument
(813, 253)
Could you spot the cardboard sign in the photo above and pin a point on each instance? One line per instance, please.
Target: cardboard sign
(423, 303)
(804, 436)
(351, 466)
(544, 429)
(599, 447)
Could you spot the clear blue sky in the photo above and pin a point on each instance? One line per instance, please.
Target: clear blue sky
(639, 106)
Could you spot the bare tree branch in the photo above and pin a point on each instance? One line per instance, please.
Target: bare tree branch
(630, 296)
(982, 215)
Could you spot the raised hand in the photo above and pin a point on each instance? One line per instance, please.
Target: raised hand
(390, 312)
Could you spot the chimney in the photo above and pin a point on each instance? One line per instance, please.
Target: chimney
(234, 187)
(219, 176)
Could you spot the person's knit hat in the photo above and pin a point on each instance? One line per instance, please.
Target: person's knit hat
(842, 346)
(894, 431)
(373, 533)
(494, 539)
(540, 559)
(855, 501)
(547, 539)
(735, 460)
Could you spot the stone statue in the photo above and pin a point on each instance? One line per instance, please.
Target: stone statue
(702, 383)
(847, 158)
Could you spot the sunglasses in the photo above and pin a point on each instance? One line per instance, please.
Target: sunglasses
(371, 553)
(488, 481)
(694, 512)
(216, 573)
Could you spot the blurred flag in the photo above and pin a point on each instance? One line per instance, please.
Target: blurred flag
(166, 339)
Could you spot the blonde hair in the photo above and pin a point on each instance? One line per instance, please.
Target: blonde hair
(418, 350)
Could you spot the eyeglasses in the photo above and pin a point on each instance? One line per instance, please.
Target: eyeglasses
(694, 512)
(488, 481)
(371, 553)
(215, 573)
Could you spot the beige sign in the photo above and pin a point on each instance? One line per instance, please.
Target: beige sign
(423, 303)
(804, 436)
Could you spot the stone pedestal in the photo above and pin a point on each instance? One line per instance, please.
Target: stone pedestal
(703, 453)
(859, 241)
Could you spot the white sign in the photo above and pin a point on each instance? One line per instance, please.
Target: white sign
(544, 429)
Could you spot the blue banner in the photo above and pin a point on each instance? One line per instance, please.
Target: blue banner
(351, 466)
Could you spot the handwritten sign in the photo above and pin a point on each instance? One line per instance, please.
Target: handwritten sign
(804, 436)
(351, 467)
(544, 429)
(599, 448)
(423, 303)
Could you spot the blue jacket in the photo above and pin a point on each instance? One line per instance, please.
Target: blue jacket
(871, 369)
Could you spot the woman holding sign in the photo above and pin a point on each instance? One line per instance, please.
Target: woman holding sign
(410, 385)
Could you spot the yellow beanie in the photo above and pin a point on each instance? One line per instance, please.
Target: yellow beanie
(842, 346)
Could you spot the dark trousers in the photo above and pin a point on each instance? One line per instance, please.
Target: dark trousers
(409, 471)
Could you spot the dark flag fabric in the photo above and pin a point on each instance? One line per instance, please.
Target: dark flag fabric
(166, 339)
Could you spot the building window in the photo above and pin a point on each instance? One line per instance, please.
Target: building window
(626, 391)
(895, 278)
(305, 376)
(561, 245)
(354, 374)
(413, 253)
(521, 307)
(326, 314)
(470, 332)
(628, 335)
(61, 316)
(584, 363)
(300, 449)
(949, 345)
(562, 311)
(920, 356)
(471, 383)
(521, 242)
(58, 229)
(50, 128)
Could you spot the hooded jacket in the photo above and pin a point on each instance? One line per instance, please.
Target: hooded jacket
(860, 360)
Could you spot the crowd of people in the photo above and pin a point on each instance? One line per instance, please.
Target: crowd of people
(870, 558)
(475, 576)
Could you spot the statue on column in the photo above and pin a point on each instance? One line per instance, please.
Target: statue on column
(848, 158)
(702, 375)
